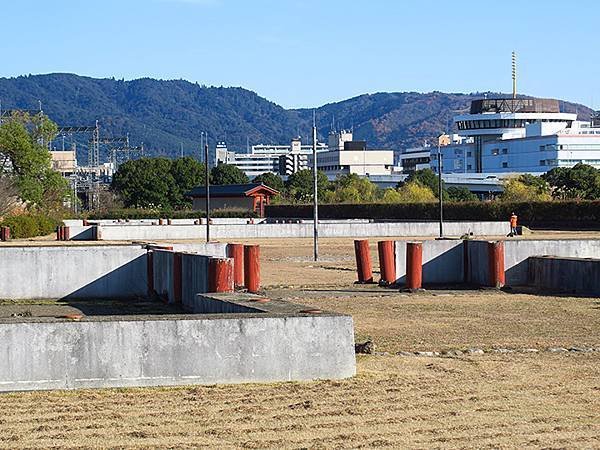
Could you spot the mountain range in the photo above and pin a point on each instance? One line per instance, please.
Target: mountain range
(167, 115)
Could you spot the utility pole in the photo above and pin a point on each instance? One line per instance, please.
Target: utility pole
(207, 185)
(441, 201)
(201, 144)
(315, 191)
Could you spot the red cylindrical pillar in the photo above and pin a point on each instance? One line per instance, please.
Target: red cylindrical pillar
(177, 278)
(387, 261)
(60, 233)
(220, 275)
(169, 222)
(496, 264)
(160, 221)
(236, 251)
(363, 261)
(3, 234)
(252, 268)
(66, 233)
(414, 265)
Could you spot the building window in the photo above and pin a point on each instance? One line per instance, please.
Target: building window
(469, 167)
(469, 154)
(542, 148)
(495, 151)
(504, 151)
(504, 165)
(542, 162)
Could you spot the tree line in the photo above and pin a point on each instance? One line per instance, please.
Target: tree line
(163, 183)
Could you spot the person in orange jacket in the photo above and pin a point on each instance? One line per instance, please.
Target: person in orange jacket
(513, 224)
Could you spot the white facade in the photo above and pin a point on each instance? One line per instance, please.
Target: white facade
(412, 159)
(516, 142)
(346, 156)
(279, 159)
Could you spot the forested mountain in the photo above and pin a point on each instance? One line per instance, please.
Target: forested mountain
(166, 114)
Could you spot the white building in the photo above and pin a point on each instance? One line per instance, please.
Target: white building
(412, 159)
(517, 136)
(346, 156)
(279, 159)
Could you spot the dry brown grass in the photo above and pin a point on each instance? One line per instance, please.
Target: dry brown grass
(519, 401)
(435, 321)
(502, 401)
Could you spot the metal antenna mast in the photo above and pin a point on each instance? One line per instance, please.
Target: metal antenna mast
(315, 190)
(514, 75)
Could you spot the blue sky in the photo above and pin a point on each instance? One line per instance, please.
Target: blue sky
(303, 53)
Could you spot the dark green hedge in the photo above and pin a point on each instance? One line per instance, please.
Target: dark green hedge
(133, 213)
(30, 225)
(584, 213)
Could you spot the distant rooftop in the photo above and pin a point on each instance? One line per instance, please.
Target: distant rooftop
(515, 105)
(231, 190)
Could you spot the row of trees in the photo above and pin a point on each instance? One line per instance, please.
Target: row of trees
(162, 183)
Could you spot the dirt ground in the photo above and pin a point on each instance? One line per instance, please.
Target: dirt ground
(522, 399)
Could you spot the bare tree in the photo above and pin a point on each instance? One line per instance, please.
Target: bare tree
(9, 197)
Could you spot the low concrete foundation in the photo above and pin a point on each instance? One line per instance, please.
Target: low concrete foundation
(467, 261)
(144, 232)
(103, 271)
(572, 275)
(266, 343)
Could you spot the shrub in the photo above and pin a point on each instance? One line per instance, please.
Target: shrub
(30, 225)
(578, 213)
(133, 213)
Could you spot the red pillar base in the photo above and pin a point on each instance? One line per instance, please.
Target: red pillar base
(414, 265)
(363, 261)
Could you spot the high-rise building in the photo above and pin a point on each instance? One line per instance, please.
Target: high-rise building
(519, 135)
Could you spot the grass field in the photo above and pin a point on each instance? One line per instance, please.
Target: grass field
(494, 400)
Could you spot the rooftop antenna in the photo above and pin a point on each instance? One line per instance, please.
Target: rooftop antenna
(514, 75)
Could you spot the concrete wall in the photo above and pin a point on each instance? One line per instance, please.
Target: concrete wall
(268, 230)
(516, 253)
(162, 261)
(56, 354)
(573, 275)
(194, 279)
(478, 263)
(81, 233)
(214, 249)
(106, 271)
(443, 262)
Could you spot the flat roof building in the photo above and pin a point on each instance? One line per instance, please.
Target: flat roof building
(279, 159)
(346, 156)
(519, 136)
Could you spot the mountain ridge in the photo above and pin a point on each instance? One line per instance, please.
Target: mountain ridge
(165, 114)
